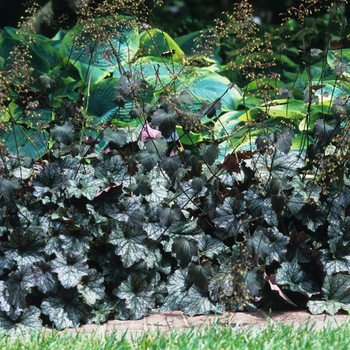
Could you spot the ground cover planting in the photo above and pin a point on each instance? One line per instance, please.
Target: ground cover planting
(142, 172)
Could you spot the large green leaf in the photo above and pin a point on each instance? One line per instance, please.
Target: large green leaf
(339, 60)
(95, 61)
(189, 42)
(211, 86)
(155, 42)
(39, 58)
(31, 143)
(101, 97)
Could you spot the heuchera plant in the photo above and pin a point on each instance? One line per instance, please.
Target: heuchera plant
(127, 186)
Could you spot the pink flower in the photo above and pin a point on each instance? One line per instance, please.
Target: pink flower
(147, 132)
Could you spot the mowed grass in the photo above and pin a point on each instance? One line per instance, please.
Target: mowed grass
(216, 337)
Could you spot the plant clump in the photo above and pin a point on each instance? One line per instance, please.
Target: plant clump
(136, 176)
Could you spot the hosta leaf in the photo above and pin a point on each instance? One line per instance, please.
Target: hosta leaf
(129, 243)
(292, 277)
(29, 321)
(154, 42)
(64, 309)
(336, 290)
(212, 86)
(94, 61)
(230, 217)
(197, 303)
(18, 285)
(269, 244)
(337, 257)
(199, 274)
(91, 287)
(184, 249)
(31, 143)
(70, 268)
(138, 296)
(101, 100)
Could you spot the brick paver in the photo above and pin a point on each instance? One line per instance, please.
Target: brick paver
(176, 320)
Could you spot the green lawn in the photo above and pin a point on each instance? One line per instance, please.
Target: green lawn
(273, 337)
